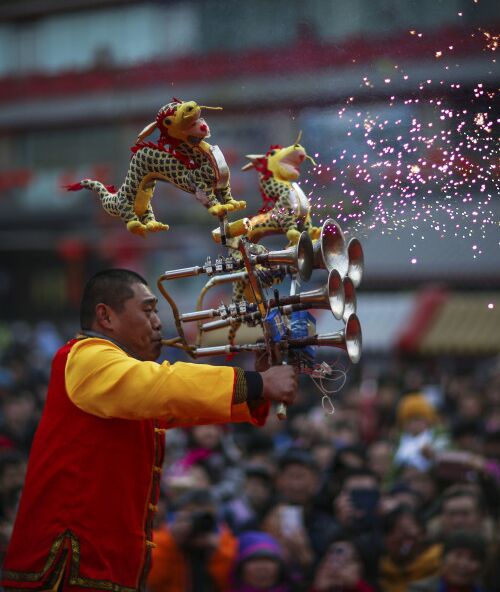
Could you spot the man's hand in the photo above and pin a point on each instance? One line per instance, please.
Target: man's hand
(280, 384)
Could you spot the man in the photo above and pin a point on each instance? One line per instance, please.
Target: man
(195, 550)
(461, 510)
(408, 557)
(303, 531)
(357, 508)
(464, 557)
(86, 513)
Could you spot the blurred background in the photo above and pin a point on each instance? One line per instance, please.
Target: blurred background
(79, 80)
(396, 101)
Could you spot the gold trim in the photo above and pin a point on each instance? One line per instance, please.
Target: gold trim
(75, 579)
(37, 575)
(240, 387)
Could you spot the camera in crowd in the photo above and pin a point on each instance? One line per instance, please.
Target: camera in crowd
(202, 522)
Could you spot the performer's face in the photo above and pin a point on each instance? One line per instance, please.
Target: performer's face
(137, 326)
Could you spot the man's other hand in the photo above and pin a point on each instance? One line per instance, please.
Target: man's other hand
(280, 384)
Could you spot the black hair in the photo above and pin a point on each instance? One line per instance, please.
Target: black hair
(260, 471)
(196, 497)
(110, 286)
(298, 456)
(492, 437)
(344, 535)
(390, 520)
(358, 472)
(338, 464)
(472, 541)
(467, 427)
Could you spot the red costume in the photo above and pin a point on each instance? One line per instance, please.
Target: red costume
(92, 484)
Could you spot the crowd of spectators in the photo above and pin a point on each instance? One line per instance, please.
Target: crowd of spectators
(396, 490)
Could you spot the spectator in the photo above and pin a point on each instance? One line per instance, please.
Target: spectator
(20, 419)
(470, 407)
(400, 494)
(211, 451)
(345, 459)
(357, 508)
(406, 558)
(259, 564)
(357, 504)
(341, 569)
(420, 435)
(379, 455)
(464, 557)
(194, 551)
(461, 509)
(467, 435)
(425, 485)
(246, 512)
(302, 529)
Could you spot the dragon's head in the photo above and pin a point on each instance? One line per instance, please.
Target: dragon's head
(281, 163)
(179, 121)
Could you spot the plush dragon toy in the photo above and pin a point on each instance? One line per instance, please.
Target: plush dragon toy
(286, 210)
(181, 156)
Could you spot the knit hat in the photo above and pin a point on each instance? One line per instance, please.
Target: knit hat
(253, 544)
(415, 406)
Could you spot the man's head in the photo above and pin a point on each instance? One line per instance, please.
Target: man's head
(297, 480)
(380, 455)
(260, 561)
(119, 304)
(361, 489)
(258, 486)
(461, 510)
(195, 520)
(464, 556)
(403, 533)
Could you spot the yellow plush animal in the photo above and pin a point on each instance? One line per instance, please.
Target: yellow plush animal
(181, 157)
(286, 208)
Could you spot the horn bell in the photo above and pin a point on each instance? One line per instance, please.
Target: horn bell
(350, 298)
(330, 297)
(356, 261)
(299, 256)
(330, 250)
(350, 339)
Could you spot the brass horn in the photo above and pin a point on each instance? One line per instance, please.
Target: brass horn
(350, 298)
(331, 296)
(300, 256)
(330, 250)
(356, 261)
(350, 339)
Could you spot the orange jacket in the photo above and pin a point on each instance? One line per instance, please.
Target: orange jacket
(170, 568)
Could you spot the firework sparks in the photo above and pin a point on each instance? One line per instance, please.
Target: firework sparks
(416, 163)
(491, 40)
